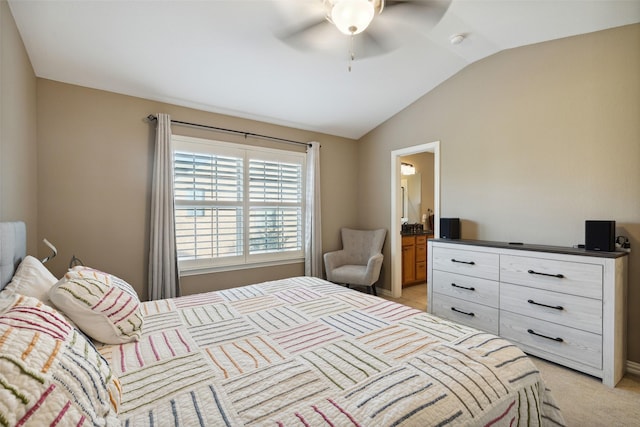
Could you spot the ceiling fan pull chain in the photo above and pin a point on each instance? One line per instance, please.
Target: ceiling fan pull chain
(351, 54)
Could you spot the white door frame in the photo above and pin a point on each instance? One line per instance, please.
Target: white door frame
(396, 207)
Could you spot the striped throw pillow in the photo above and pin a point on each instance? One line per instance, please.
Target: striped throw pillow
(103, 306)
(50, 374)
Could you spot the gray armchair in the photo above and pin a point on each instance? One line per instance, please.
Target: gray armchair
(360, 260)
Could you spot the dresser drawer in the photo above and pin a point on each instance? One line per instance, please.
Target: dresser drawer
(579, 346)
(473, 289)
(468, 313)
(470, 263)
(568, 310)
(574, 278)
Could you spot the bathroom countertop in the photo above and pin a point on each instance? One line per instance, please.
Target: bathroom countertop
(417, 233)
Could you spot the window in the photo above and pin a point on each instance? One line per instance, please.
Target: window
(236, 204)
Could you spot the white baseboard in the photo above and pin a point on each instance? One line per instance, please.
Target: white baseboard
(633, 367)
(383, 291)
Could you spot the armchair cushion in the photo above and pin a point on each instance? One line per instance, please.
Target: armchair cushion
(351, 274)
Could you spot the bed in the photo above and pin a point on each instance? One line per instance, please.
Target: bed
(294, 352)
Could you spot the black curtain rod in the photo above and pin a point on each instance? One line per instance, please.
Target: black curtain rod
(153, 118)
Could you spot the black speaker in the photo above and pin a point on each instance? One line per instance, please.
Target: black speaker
(449, 228)
(599, 235)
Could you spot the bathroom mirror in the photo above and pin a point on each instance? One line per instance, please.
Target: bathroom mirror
(411, 191)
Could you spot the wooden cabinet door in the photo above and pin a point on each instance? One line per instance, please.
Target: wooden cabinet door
(421, 258)
(421, 249)
(421, 271)
(408, 262)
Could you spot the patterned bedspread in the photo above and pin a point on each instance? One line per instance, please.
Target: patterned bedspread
(305, 352)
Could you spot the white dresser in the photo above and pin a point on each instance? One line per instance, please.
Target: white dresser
(561, 304)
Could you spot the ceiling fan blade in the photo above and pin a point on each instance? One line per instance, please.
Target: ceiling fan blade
(305, 36)
(308, 26)
(425, 13)
(373, 42)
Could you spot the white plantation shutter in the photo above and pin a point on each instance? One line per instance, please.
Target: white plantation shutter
(275, 194)
(208, 199)
(274, 181)
(236, 204)
(207, 177)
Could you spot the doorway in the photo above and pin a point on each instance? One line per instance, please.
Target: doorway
(397, 207)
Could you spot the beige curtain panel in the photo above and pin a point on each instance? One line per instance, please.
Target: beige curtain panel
(313, 223)
(164, 279)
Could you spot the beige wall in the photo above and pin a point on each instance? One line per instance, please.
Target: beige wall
(534, 141)
(18, 156)
(95, 153)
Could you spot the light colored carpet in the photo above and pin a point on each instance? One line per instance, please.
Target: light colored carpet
(584, 400)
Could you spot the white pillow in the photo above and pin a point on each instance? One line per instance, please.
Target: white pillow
(31, 279)
(103, 306)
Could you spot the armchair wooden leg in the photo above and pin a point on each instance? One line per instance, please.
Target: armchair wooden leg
(373, 288)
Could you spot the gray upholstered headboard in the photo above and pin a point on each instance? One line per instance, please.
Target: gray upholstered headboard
(13, 248)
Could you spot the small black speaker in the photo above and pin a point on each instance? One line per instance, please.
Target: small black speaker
(449, 228)
(599, 235)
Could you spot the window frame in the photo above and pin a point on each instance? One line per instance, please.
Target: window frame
(248, 152)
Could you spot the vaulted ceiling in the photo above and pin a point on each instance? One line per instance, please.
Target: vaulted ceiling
(270, 60)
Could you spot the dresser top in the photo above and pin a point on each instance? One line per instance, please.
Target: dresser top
(531, 247)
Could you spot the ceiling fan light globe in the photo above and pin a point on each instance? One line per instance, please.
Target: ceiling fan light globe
(352, 16)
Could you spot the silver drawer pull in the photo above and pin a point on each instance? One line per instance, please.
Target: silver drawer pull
(463, 287)
(555, 307)
(463, 262)
(462, 312)
(559, 276)
(532, 332)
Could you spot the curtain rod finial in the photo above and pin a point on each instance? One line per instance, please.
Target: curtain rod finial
(152, 118)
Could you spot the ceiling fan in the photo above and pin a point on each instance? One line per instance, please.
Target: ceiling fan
(370, 32)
